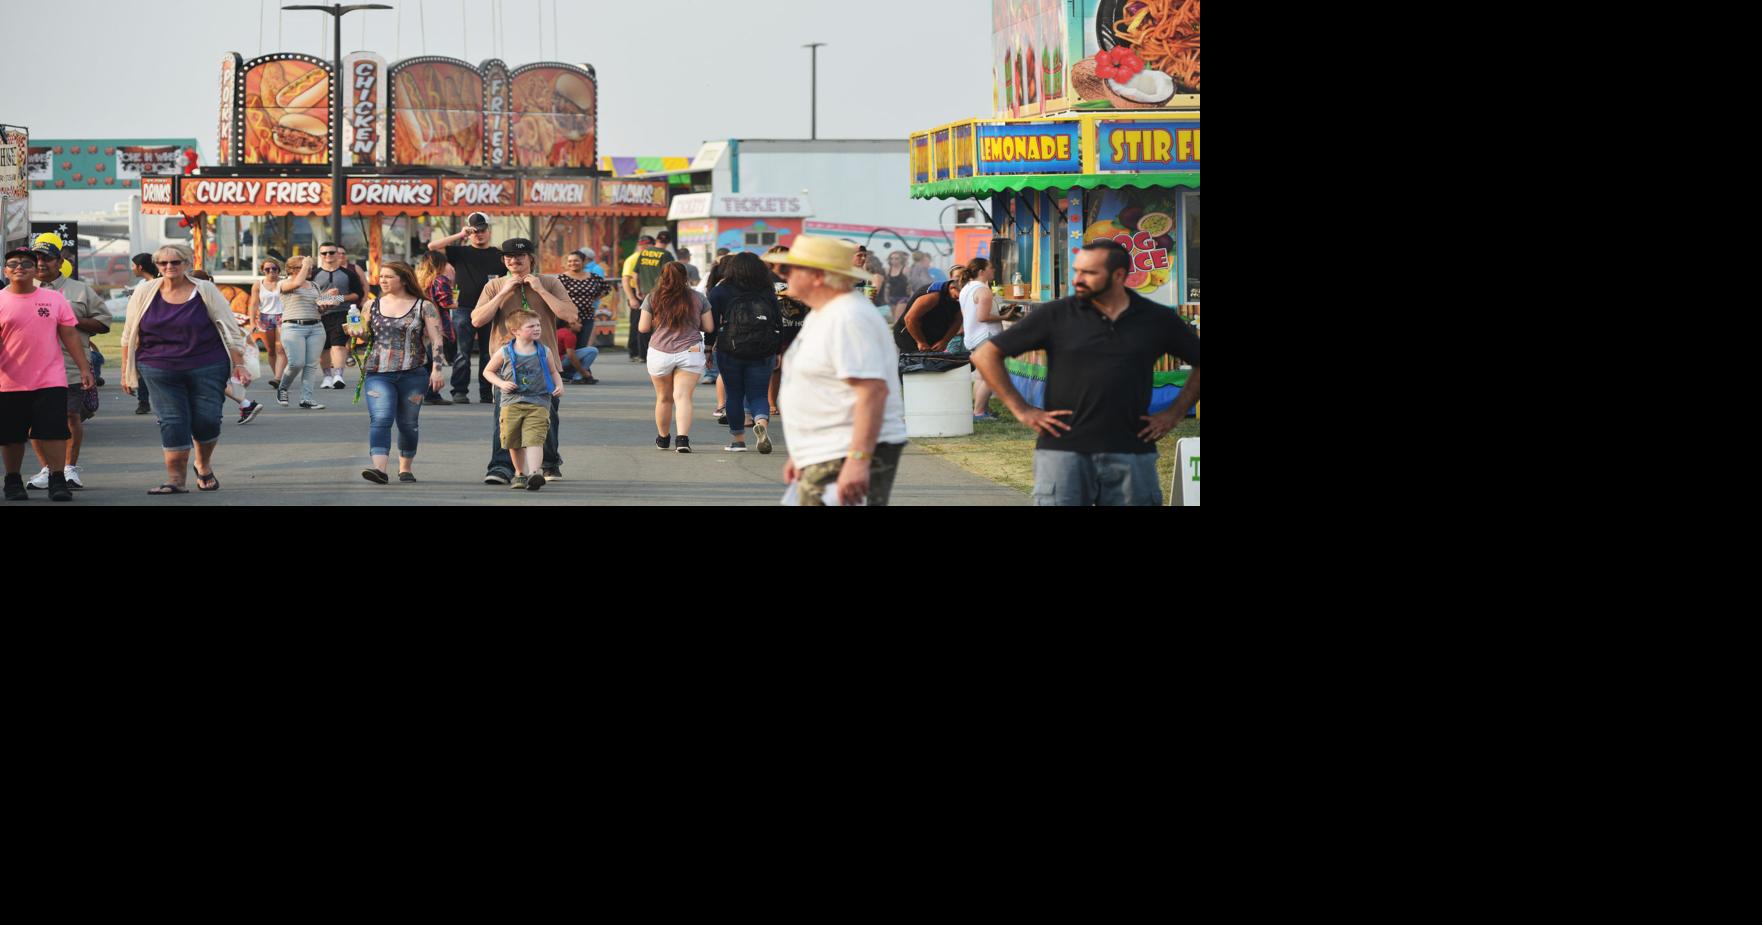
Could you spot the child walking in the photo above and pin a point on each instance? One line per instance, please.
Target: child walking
(533, 376)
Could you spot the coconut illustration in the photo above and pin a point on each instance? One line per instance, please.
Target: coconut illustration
(60, 183)
(99, 168)
(109, 181)
(91, 149)
(91, 181)
(109, 151)
(58, 150)
(67, 165)
(78, 177)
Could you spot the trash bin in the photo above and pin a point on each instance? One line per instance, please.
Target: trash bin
(938, 393)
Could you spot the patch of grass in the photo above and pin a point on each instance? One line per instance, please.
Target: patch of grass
(1004, 451)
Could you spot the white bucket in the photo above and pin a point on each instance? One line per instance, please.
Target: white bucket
(939, 404)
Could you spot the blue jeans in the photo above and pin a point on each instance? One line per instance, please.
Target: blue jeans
(500, 461)
(747, 383)
(467, 336)
(585, 356)
(395, 396)
(304, 343)
(188, 403)
(1066, 479)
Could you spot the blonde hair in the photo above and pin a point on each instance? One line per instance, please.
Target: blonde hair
(519, 319)
(181, 251)
(837, 282)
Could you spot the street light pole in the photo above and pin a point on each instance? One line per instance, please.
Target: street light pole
(338, 86)
(814, 82)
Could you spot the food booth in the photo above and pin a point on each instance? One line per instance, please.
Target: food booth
(1096, 137)
(426, 142)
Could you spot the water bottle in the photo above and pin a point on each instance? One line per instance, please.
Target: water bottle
(355, 315)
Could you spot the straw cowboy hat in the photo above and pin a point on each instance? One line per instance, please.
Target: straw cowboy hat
(814, 253)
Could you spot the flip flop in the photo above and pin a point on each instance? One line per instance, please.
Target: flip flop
(168, 489)
(200, 478)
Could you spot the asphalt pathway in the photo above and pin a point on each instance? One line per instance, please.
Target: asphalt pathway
(292, 457)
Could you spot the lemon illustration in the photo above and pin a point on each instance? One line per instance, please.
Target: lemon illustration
(1156, 224)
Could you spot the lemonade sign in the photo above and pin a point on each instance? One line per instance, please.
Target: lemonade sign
(1143, 222)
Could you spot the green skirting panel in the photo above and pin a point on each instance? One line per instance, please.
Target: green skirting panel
(1176, 378)
(976, 187)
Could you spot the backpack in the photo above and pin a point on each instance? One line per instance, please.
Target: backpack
(750, 326)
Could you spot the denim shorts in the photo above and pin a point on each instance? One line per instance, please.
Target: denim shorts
(1066, 479)
(188, 403)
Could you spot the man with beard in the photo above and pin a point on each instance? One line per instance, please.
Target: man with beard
(1097, 443)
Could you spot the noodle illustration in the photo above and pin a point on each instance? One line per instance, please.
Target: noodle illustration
(1165, 33)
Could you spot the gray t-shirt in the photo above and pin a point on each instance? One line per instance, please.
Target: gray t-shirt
(529, 374)
(678, 340)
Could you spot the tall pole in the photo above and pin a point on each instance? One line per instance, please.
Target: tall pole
(814, 83)
(339, 85)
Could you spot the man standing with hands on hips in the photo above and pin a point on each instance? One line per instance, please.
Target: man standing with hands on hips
(846, 422)
(521, 289)
(1097, 442)
(475, 264)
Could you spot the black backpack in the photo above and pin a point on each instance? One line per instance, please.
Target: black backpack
(750, 326)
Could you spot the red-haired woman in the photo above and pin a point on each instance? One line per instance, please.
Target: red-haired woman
(677, 318)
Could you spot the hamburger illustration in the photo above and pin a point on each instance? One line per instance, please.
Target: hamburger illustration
(309, 89)
(573, 102)
(299, 134)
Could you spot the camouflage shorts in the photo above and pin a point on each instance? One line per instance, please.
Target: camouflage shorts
(815, 479)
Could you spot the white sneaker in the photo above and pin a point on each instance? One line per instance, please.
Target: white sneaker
(40, 481)
(328, 380)
(72, 474)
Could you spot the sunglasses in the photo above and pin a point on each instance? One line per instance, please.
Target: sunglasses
(21, 265)
(272, 268)
(328, 253)
(168, 263)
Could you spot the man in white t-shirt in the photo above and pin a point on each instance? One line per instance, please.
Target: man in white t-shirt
(846, 421)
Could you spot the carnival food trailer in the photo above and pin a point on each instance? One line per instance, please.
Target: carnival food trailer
(1077, 153)
(426, 142)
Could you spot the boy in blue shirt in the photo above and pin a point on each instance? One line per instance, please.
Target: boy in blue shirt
(532, 376)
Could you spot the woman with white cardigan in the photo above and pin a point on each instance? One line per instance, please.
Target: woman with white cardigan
(182, 340)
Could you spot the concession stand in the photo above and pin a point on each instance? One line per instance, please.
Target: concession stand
(1096, 136)
(426, 142)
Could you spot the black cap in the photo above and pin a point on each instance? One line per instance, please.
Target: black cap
(21, 252)
(518, 247)
(646, 239)
(47, 250)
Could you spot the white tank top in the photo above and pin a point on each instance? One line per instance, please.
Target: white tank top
(972, 329)
(268, 300)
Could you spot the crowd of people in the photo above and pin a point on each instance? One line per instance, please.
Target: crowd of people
(797, 329)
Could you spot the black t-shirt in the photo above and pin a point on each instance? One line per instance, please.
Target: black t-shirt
(934, 324)
(1101, 370)
(474, 267)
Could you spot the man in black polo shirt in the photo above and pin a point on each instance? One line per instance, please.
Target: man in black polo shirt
(475, 264)
(1097, 443)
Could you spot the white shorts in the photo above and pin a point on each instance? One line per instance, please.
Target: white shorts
(691, 361)
(978, 337)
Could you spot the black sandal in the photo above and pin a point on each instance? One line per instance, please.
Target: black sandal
(375, 476)
(200, 478)
(168, 489)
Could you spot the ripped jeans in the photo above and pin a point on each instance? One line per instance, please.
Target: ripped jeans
(394, 396)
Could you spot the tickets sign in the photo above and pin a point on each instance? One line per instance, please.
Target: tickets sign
(1147, 147)
(1047, 147)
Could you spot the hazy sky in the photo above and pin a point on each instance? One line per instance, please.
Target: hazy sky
(671, 74)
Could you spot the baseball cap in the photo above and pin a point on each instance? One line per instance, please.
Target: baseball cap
(47, 250)
(518, 247)
(589, 254)
(20, 252)
(477, 220)
(646, 239)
